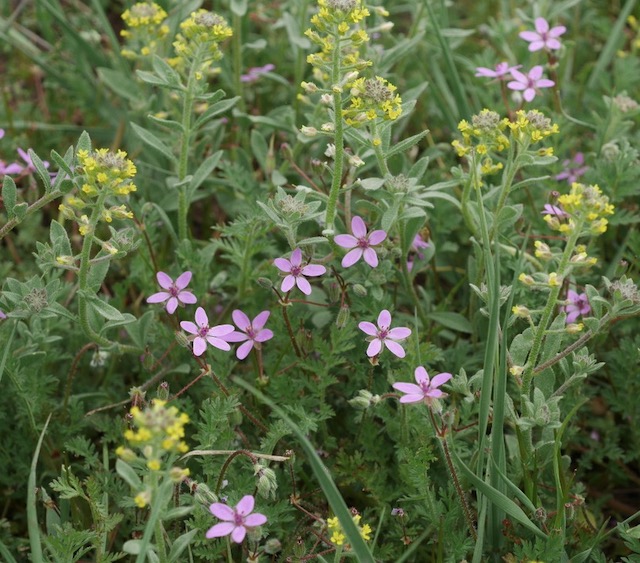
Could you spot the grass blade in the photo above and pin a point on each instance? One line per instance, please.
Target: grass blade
(32, 514)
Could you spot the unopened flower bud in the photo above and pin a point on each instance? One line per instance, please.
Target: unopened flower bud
(328, 127)
(360, 290)
(517, 371)
(343, 316)
(553, 280)
(272, 546)
(267, 483)
(521, 311)
(163, 391)
(203, 494)
(308, 131)
(574, 328)
(266, 283)
(542, 250)
(355, 161)
(182, 339)
(309, 87)
(526, 279)
(177, 474)
(326, 100)
(362, 401)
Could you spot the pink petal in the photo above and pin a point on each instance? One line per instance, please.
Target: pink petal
(346, 241)
(246, 504)
(296, 257)
(164, 280)
(529, 35)
(238, 534)
(303, 285)
(288, 283)
(399, 333)
(529, 94)
(254, 520)
(542, 25)
(440, 379)
(187, 297)
(351, 257)
(513, 85)
(553, 43)
(264, 335)
(557, 31)
(435, 393)
(519, 76)
(368, 328)
(411, 398)
(572, 316)
(410, 388)
(395, 348)
(199, 346)
(220, 530)
(485, 72)
(376, 237)
(218, 343)
(236, 337)
(313, 270)
(183, 280)
(358, 227)
(536, 46)
(374, 347)
(260, 320)
(222, 511)
(220, 330)
(282, 264)
(160, 297)
(241, 320)
(243, 351)
(384, 319)
(421, 375)
(201, 317)
(545, 83)
(536, 72)
(370, 257)
(189, 327)
(172, 305)
(572, 295)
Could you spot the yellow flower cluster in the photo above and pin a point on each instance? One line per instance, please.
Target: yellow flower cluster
(338, 536)
(372, 98)
(583, 205)
(483, 135)
(105, 173)
(202, 32)
(145, 23)
(532, 126)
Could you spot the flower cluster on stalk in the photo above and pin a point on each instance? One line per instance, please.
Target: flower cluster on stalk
(145, 26)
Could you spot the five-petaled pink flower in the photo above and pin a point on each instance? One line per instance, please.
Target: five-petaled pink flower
(297, 272)
(235, 521)
(205, 334)
(253, 333)
(360, 243)
(543, 37)
(425, 389)
(578, 304)
(382, 335)
(529, 82)
(573, 169)
(554, 210)
(174, 293)
(501, 70)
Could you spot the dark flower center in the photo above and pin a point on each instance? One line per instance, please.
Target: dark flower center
(203, 330)
(383, 333)
(238, 519)
(295, 271)
(173, 291)
(363, 243)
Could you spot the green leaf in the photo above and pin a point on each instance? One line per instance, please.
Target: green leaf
(498, 499)
(454, 321)
(180, 544)
(32, 513)
(151, 78)
(64, 163)
(20, 210)
(165, 71)
(152, 140)
(178, 512)
(203, 172)
(84, 143)
(129, 474)
(59, 239)
(97, 274)
(41, 170)
(168, 123)
(104, 309)
(132, 546)
(120, 83)
(239, 7)
(371, 183)
(9, 195)
(216, 109)
(259, 148)
(293, 32)
(406, 144)
(358, 546)
(389, 216)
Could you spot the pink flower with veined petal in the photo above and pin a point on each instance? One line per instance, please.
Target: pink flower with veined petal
(501, 70)
(235, 521)
(577, 304)
(297, 272)
(529, 82)
(425, 390)
(543, 37)
(360, 243)
(382, 335)
(554, 210)
(253, 333)
(206, 335)
(174, 293)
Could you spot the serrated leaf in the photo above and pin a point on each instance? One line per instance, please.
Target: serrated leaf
(9, 195)
(129, 474)
(153, 141)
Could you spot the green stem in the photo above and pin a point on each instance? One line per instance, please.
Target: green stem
(44, 200)
(377, 149)
(237, 59)
(507, 182)
(336, 182)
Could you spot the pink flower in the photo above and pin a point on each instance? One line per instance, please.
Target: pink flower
(543, 37)
(554, 210)
(175, 293)
(297, 272)
(529, 82)
(577, 304)
(205, 334)
(253, 74)
(2, 315)
(502, 69)
(360, 243)
(235, 521)
(252, 333)
(572, 173)
(425, 389)
(382, 335)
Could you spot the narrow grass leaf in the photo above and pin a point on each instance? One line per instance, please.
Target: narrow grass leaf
(32, 513)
